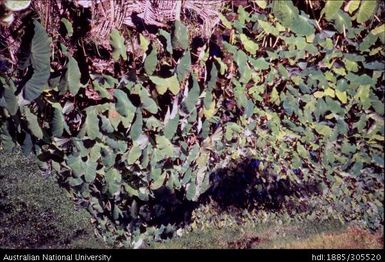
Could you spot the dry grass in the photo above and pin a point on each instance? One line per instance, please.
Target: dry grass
(351, 238)
(328, 235)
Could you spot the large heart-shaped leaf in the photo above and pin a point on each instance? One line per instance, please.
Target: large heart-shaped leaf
(33, 124)
(73, 75)
(148, 103)
(136, 128)
(40, 59)
(5, 138)
(9, 99)
(117, 43)
(331, 8)
(151, 62)
(134, 154)
(164, 84)
(192, 96)
(180, 38)
(17, 5)
(113, 180)
(92, 125)
(90, 170)
(123, 104)
(57, 122)
(183, 68)
(366, 10)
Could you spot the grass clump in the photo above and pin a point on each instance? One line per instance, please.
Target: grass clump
(36, 213)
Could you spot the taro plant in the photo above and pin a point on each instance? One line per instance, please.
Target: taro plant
(299, 92)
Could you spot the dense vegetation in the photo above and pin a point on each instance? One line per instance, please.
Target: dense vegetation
(40, 215)
(284, 104)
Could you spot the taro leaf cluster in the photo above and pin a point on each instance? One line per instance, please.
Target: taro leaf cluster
(304, 97)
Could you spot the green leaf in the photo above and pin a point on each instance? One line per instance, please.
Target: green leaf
(165, 146)
(10, 99)
(113, 180)
(285, 12)
(106, 125)
(192, 96)
(57, 122)
(366, 11)
(147, 102)
(136, 128)
(268, 28)
(362, 95)
(151, 62)
(222, 65)
(123, 104)
(342, 96)
(249, 45)
(117, 43)
(171, 127)
(342, 21)
(5, 138)
(323, 129)
(302, 26)
(260, 63)
(27, 145)
(73, 76)
(274, 97)
(367, 42)
(378, 30)
(144, 42)
(166, 35)
(164, 84)
(40, 59)
(92, 125)
(73, 182)
(183, 68)
(130, 190)
(33, 124)
(17, 5)
(191, 190)
(261, 3)
(180, 39)
(134, 154)
(68, 26)
(244, 69)
(225, 22)
(302, 151)
(329, 92)
(331, 8)
(76, 165)
(90, 170)
(352, 6)
(158, 183)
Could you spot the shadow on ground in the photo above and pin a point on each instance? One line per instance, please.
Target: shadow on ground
(243, 187)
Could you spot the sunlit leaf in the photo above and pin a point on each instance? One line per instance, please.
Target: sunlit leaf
(117, 43)
(331, 8)
(151, 62)
(136, 128)
(184, 66)
(366, 11)
(164, 84)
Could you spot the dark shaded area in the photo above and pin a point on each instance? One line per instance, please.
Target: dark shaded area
(247, 187)
(243, 187)
(141, 26)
